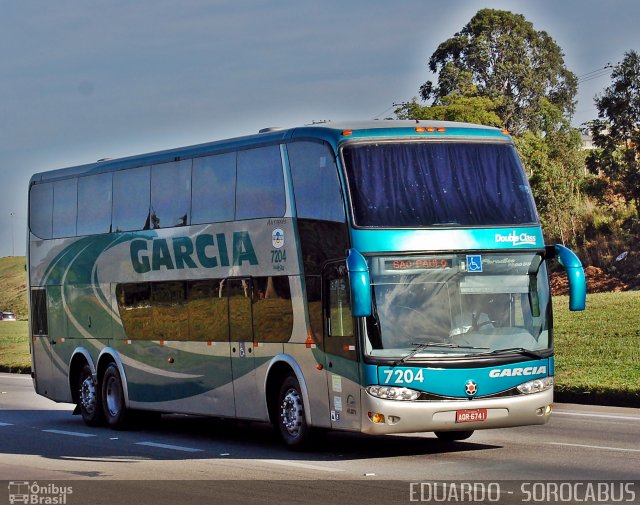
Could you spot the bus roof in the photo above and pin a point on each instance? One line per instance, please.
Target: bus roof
(332, 132)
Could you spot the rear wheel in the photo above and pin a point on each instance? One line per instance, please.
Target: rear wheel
(115, 410)
(452, 436)
(291, 422)
(89, 398)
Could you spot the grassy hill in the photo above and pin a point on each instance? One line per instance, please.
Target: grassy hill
(13, 285)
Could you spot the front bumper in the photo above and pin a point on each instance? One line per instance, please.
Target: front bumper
(419, 416)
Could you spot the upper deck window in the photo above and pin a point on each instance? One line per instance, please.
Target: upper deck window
(421, 184)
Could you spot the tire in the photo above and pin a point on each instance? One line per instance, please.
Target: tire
(452, 436)
(113, 404)
(290, 421)
(89, 398)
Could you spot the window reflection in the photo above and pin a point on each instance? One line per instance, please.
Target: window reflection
(212, 310)
(131, 191)
(65, 207)
(214, 189)
(170, 194)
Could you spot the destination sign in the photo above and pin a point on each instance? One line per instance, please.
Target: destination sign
(421, 263)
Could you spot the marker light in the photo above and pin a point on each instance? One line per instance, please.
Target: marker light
(393, 393)
(536, 386)
(376, 417)
(505, 131)
(420, 129)
(346, 133)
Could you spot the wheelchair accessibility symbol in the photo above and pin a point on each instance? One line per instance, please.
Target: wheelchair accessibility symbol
(474, 263)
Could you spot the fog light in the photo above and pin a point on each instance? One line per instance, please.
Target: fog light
(376, 417)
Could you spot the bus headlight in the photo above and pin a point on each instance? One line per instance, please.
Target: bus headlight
(536, 386)
(393, 393)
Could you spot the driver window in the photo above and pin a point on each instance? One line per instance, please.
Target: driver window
(339, 316)
(339, 325)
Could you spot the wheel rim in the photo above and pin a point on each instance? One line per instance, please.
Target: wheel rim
(88, 397)
(292, 413)
(112, 397)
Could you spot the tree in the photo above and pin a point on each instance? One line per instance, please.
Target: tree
(617, 131)
(554, 160)
(501, 56)
(470, 109)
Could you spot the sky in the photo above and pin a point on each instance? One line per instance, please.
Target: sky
(83, 80)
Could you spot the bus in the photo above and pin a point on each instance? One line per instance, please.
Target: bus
(378, 277)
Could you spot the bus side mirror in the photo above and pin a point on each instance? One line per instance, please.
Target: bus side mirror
(360, 284)
(575, 275)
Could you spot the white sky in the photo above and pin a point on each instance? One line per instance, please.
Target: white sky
(82, 80)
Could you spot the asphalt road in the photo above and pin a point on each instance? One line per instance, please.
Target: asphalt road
(190, 460)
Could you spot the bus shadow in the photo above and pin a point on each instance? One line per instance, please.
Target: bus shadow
(335, 445)
(59, 435)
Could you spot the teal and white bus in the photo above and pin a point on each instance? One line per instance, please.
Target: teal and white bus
(380, 277)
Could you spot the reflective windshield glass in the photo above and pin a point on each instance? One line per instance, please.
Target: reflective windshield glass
(458, 304)
(416, 184)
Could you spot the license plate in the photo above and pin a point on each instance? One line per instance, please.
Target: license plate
(471, 415)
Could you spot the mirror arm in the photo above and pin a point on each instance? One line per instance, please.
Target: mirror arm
(360, 283)
(575, 275)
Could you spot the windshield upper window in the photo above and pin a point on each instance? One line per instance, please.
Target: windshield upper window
(439, 300)
(418, 184)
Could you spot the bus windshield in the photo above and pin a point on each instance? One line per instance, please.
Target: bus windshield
(458, 304)
(422, 184)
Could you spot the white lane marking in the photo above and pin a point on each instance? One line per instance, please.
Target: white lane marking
(601, 447)
(592, 414)
(5, 424)
(70, 433)
(167, 446)
(297, 464)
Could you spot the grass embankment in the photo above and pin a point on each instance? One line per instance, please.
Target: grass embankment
(14, 347)
(13, 285)
(598, 350)
(14, 342)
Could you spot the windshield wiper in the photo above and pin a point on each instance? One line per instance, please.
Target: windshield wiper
(520, 350)
(424, 345)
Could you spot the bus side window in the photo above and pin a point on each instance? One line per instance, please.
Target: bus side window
(272, 309)
(170, 194)
(41, 209)
(65, 208)
(260, 183)
(131, 195)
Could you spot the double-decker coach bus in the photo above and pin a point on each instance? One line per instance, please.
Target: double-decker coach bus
(381, 277)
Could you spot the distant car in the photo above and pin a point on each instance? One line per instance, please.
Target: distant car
(7, 316)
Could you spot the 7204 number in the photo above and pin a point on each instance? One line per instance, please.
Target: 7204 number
(403, 376)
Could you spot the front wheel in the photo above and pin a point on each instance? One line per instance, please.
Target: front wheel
(452, 436)
(89, 398)
(291, 422)
(115, 410)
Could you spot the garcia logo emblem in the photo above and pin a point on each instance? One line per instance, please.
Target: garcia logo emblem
(471, 388)
(277, 238)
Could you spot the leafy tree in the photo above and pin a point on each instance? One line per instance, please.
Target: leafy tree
(470, 109)
(617, 131)
(501, 56)
(554, 160)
